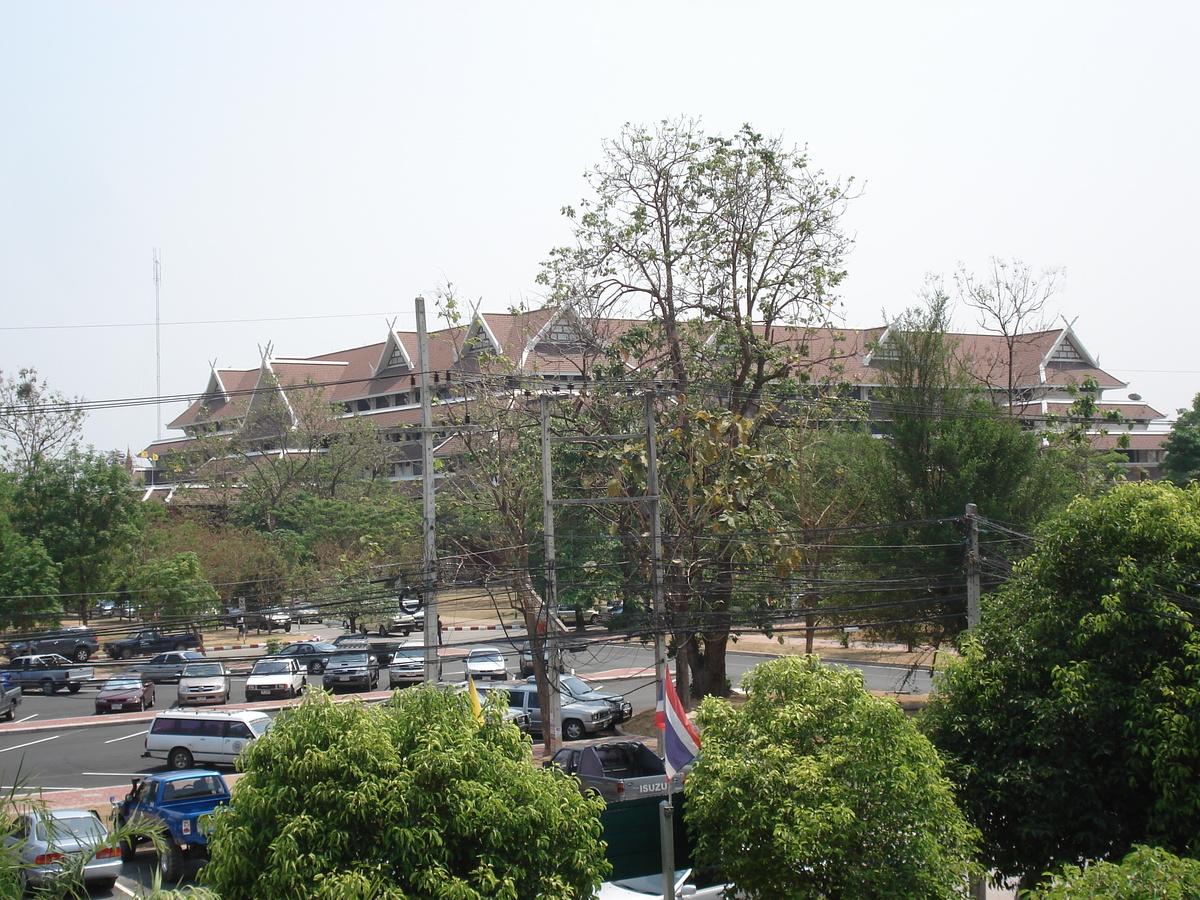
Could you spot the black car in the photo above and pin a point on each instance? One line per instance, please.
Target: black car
(356, 670)
(311, 655)
(76, 643)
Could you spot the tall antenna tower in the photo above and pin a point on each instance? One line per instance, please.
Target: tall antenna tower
(157, 351)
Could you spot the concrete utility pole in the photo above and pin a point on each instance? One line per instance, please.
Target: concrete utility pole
(432, 634)
(550, 726)
(656, 573)
(972, 565)
(651, 497)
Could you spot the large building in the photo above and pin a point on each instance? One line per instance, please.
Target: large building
(1038, 375)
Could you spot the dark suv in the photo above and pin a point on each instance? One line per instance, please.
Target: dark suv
(76, 643)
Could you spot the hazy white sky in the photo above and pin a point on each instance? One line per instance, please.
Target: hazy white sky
(307, 168)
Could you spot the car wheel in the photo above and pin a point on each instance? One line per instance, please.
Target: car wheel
(74, 687)
(383, 631)
(47, 686)
(128, 851)
(117, 653)
(573, 730)
(80, 655)
(287, 627)
(180, 758)
(317, 666)
(9, 714)
(593, 619)
(170, 864)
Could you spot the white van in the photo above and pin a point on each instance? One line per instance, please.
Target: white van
(184, 737)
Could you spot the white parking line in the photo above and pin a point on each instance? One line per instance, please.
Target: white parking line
(127, 737)
(27, 718)
(31, 743)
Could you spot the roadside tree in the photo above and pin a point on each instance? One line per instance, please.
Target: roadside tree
(84, 511)
(1071, 725)
(417, 799)
(28, 581)
(36, 422)
(728, 247)
(816, 788)
(1182, 463)
(172, 587)
(947, 445)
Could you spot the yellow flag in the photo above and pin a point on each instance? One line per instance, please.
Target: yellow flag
(475, 707)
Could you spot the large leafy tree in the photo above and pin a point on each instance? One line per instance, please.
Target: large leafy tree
(36, 422)
(728, 247)
(416, 799)
(815, 788)
(1182, 463)
(1072, 721)
(947, 445)
(172, 587)
(28, 581)
(84, 511)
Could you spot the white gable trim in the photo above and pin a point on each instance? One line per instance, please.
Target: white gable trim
(391, 346)
(478, 326)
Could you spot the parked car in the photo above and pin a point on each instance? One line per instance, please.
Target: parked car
(204, 682)
(311, 655)
(486, 662)
(127, 692)
(48, 672)
(580, 615)
(270, 620)
(352, 669)
(149, 641)
(275, 677)
(407, 665)
(166, 666)
(39, 839)
(175, 806)
(184, 737)
(76, 643)
(578, 717)
(305, 613)
(579, 689)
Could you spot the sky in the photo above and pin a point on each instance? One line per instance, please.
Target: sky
(305, 169)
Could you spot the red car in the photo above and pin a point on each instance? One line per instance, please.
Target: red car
(125, 693)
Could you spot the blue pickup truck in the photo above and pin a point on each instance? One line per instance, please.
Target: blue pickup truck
(177, 806)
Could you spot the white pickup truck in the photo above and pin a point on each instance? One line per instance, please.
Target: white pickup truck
(49, 672)
(409, 617)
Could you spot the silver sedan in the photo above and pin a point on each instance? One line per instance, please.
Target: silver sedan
(53, 844)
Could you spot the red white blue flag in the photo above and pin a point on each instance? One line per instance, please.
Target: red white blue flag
(680, 740)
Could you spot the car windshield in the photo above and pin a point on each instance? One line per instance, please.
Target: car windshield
(349, 659)
(576, 686)
(86, 829)
(260, 726)
(408, 653)
(486, 657)
(202, 670)
(271, 667)
(123, 683)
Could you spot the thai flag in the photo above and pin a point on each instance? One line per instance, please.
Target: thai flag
(680, 740)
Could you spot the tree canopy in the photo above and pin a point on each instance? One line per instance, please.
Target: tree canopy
(1072, 722)
(415, 799)
(814, 788)
(729, 246)
(1182, 463)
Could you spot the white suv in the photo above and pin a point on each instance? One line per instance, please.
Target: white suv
(407, 665)
(275, 677)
